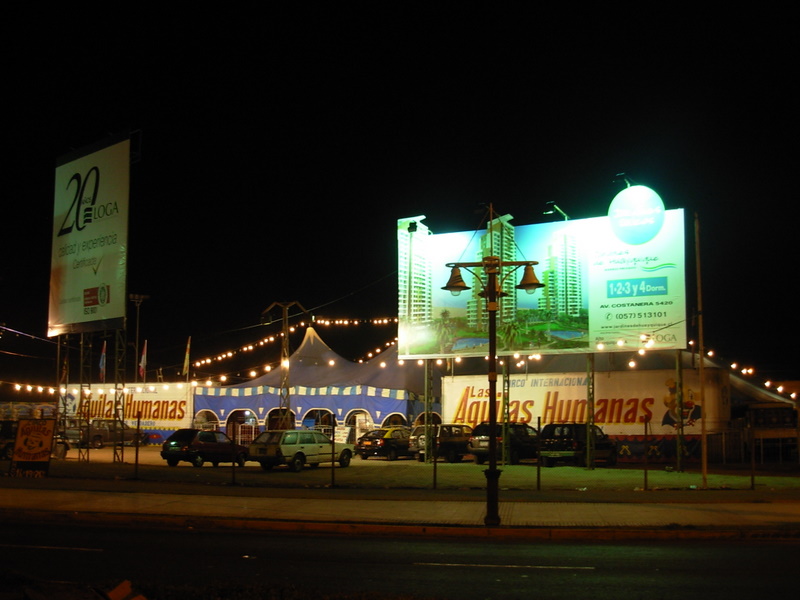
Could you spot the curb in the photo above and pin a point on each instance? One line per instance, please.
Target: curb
(172, 522)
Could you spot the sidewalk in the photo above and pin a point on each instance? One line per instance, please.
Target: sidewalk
(615, 507)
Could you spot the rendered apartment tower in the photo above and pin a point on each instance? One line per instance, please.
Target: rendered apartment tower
(414, 278)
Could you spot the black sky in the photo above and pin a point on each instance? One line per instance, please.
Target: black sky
(279, 148)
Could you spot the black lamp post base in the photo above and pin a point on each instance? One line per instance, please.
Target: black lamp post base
(492, 518)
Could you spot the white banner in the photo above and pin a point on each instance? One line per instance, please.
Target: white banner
(624, 401)
(161, 406)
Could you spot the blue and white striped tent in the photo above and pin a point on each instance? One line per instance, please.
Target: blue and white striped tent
(320, 379)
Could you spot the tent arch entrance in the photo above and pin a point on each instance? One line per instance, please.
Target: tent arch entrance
(436, 419)
(206, 420)
(280, 418)
(360, 421)
(322, 419)
(394, 420)
(242, 426)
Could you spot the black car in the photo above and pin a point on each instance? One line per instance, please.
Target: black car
(522, 442)
(198, 447)
(389, 442)
(566, 442)
(449, 439)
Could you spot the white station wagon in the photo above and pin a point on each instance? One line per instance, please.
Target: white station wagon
(297, 448)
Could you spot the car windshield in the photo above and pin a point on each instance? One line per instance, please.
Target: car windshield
(483, 430)
(269, 437)
(182, 435)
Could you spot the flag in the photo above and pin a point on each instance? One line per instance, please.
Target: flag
(103, 364)
(143, 362)
(64, 370)
(185, 370)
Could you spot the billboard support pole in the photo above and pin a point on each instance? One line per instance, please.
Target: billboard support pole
(681, 445)
(589, 410)
(703, 408)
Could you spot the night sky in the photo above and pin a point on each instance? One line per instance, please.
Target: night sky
(276, 151)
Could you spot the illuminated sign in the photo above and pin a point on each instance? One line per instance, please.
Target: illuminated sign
(612, 284)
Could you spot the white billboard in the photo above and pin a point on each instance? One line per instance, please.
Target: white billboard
(624, 401)
(611, 284)
(88, 267)
(162, 406)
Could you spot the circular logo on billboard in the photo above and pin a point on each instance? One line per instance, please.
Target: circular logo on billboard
(637, 214)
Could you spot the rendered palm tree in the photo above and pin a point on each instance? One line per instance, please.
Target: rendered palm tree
(510, 334)
(444, 330)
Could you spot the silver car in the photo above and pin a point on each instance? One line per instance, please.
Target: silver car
(297, 448)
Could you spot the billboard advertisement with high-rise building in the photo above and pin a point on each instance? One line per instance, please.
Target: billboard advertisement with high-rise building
(611, 284)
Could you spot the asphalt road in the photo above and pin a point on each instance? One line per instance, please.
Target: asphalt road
(217, 564)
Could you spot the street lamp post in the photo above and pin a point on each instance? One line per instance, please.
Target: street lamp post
(492, 267)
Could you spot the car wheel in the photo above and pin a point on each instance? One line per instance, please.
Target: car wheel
(612, 459)
(197, 461)
(480, 459)
(241, 460)
(391, 454)
(297, 462)
(97, 442)
(451, 456)
(344, 459)
(547, 462)
(420, 457)
(364, 456)
(514, 457)
(172, 462)
(266, 465)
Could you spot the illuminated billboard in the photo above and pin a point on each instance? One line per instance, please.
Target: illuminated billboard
(611, 284)
(88, 266)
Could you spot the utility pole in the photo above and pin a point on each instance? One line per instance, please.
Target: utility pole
(285, 406)
(137, 300)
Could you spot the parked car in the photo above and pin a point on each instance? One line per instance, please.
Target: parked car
(101, 432)
(389, 442)
(449, 439)
(8, 436)
(567, 442)
(522, 442)
(297, 448)
(199, 447)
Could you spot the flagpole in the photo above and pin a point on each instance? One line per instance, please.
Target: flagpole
(186, 359)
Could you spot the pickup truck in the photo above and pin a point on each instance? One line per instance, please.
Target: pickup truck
(102, 432)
